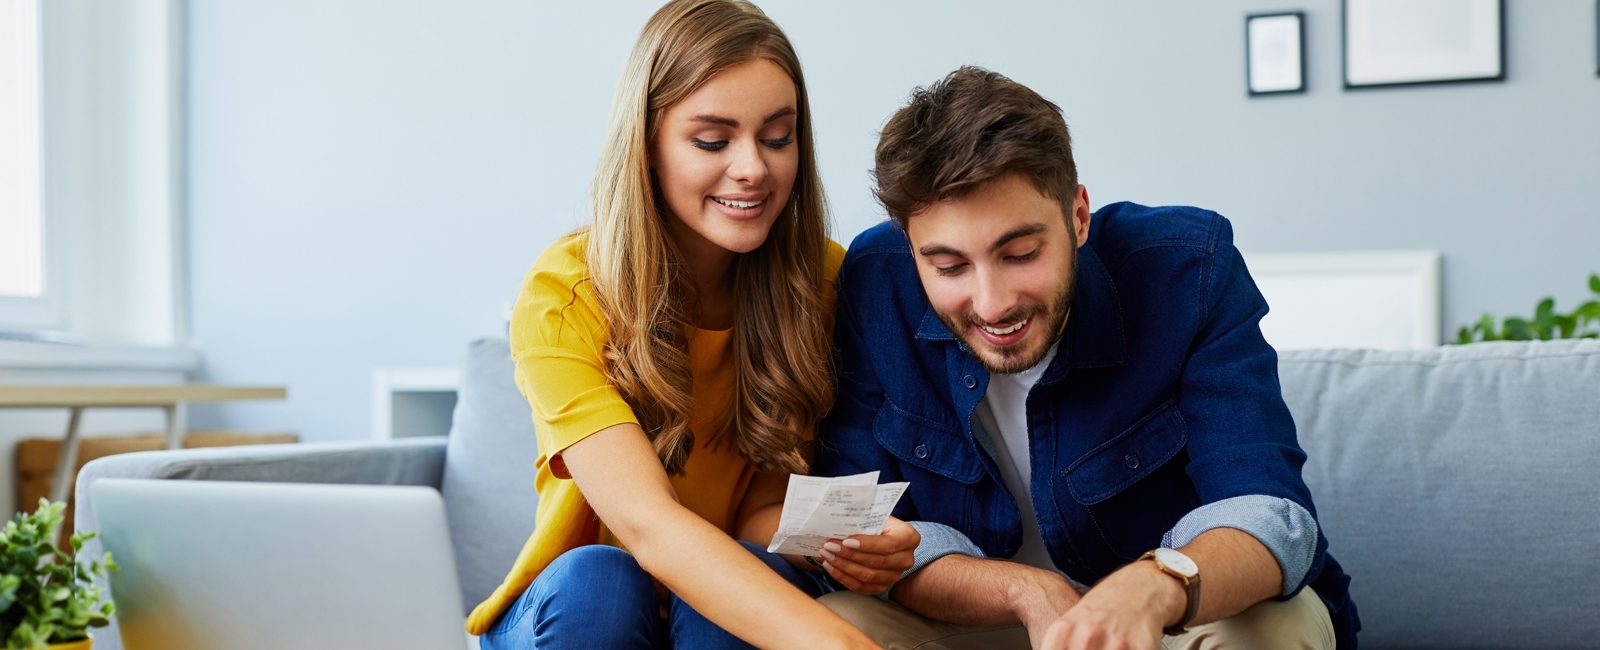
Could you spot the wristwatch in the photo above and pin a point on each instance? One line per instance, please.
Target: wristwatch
(1179, 566)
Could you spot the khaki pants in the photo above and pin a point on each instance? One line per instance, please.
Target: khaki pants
(1299, 623)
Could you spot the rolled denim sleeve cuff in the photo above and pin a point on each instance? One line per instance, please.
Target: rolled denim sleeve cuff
(1287, 530)
(938, 540)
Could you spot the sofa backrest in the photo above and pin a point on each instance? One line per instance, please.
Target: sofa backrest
(488, 470)
(1460, 488)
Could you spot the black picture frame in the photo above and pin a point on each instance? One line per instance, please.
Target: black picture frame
(1361, 74)
(1267, 83)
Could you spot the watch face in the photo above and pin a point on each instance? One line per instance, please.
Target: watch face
(1177, 562)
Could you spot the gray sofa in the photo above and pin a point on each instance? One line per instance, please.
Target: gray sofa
(1459, 486)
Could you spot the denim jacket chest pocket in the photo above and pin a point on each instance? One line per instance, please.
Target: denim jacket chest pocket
(1131, 489)
(937, 460)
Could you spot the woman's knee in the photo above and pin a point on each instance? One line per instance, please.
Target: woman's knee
(587, 591)
(597, 574)
(586, 563)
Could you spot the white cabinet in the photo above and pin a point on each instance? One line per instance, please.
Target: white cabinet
(410, 402)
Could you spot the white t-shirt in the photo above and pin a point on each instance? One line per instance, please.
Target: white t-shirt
(1003, 412)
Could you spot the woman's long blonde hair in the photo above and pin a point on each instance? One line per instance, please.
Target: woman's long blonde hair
(782, 336)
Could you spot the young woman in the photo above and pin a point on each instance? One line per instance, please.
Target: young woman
(675, 353)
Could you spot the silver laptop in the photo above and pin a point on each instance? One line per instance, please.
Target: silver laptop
(210, 565)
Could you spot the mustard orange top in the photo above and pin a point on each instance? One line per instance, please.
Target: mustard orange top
(558, 338)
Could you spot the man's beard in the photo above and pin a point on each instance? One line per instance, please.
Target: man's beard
(1017, 357)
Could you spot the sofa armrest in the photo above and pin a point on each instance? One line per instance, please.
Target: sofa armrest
(417, 461)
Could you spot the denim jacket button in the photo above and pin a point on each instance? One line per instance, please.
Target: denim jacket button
(970, 381)
(1131, 461)
(921, 451)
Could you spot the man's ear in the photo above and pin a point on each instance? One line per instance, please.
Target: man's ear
(1080, 215)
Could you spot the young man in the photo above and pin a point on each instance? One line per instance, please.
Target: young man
(1098, 450)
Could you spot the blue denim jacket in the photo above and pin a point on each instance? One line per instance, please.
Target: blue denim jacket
(1163, 397)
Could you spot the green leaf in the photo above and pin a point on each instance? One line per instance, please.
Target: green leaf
(1486, 326)
(27, 557)
(1566, 324)
(1589, 310)
(1518, 329)
(1594, 282)
(1544, 318)
(44, 633)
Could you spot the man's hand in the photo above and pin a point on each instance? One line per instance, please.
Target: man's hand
(870, 564)
(1040, 599)
(1127, 610)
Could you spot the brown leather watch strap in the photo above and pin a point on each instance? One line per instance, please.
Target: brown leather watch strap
(1191, 592)
(1191, 589)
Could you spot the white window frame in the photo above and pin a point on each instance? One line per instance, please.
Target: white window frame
(43, 312)
(112, 88)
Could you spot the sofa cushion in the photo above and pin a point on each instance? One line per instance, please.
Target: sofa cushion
(1459, 488)
(488, 471)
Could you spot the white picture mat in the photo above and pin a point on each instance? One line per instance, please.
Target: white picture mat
(1274, 53)
(1387, 300)
(1406, 41)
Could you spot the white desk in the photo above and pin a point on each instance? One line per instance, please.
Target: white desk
(171, 399)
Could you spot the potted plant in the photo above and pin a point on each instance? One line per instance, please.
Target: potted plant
(48, 598)
(1546, 324)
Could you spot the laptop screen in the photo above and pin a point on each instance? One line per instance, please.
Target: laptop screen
(277, 566)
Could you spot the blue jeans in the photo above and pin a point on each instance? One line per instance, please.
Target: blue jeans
(599, 597)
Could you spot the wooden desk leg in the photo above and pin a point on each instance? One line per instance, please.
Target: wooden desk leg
(66, 462)
(177, 423)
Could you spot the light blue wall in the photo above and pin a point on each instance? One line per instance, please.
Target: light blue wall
(370, 178)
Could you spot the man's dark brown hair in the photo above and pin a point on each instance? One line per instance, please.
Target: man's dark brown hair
(969, 128)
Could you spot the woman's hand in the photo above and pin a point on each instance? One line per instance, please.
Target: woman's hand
(870, 564)
(621, 477)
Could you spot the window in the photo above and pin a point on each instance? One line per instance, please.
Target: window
(90, 156)
(22, 263)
